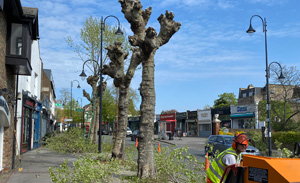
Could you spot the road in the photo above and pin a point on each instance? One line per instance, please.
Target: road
(195, 145)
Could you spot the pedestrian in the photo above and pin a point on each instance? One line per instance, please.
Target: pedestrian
(228, 157)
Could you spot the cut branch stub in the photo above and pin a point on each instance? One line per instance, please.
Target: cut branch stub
(168, 27)
(115, 69)
(150, 41)
(137, 18)
(92, 80)
(87, 95)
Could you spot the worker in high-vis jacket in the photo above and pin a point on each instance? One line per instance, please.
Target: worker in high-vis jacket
(230, 156)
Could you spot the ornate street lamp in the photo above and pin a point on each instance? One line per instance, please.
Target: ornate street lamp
(250, 31)
(71, 95)
(82, 117)
(83, 75)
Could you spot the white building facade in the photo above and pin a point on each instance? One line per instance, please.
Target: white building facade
(204, 123)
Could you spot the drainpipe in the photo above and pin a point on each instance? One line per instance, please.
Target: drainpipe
(15, 125)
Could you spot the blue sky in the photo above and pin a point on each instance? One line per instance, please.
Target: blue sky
(209, 55)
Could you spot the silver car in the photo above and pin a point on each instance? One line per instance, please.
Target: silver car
(223, 142)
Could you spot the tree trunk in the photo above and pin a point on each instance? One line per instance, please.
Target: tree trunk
(120, 135)
(146, 159)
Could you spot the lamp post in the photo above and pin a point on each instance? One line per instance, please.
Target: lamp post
(82, 117)
(71, 96)
(118, 32)
(250, 31)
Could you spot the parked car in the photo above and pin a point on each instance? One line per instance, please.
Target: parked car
(129, 132)
(135, 135)
(223, 142)
(104, 132)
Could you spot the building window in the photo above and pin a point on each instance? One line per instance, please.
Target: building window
(241, 123)
(16, 39)
(244, 95)
(250, 94)
(272, 92)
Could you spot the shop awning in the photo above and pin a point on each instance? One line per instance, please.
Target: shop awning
(242, 115)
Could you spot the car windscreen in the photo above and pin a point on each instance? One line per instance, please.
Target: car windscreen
(228, 140)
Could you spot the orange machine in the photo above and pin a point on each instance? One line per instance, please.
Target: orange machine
(265, 170)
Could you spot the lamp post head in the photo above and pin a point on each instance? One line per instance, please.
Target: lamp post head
(78, 86)
(250, 31)
(82, 75)
(119, 31)
(281, 77)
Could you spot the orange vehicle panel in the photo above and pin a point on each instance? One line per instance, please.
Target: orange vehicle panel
(265, 169)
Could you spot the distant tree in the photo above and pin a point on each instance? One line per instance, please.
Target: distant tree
(285, 105)
(225, 100)
(65, 111)
(278, 109)
(206, 107)
(108, 106)
(89, 48)
(133, 100)
(168, 111)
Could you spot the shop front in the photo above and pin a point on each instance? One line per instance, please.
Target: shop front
(180, 122)
(36, 127)
(204, 123)
(224, 116)
(27, 123)
(244, 117)
(191, 124)
(166, 125)
(5, 121)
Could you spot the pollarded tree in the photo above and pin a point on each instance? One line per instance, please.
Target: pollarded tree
(122, 81)
(146, 42)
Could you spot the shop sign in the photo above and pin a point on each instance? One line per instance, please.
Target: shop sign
(241, 109)
(167, 117)
(37, 107)
(4, 113)
(29, 103)
(181, 115)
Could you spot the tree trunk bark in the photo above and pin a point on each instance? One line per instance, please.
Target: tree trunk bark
(120, 135)
(146, 158)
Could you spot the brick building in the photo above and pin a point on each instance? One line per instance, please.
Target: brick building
(18, 27)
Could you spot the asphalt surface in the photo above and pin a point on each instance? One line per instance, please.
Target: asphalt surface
(36, 163)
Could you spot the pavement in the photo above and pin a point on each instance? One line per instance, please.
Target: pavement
(35, 163)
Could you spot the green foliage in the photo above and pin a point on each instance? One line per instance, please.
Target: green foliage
(177, 165)
(109, 106)
(289, 137)
(257, 137)
(277, 115)
(70, 142)
(133, 100)
(85, 170)
(225, 100)
(285, 153)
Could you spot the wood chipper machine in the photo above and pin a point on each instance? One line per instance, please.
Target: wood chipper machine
(259, 169)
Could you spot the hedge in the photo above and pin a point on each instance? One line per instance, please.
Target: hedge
(289, 137)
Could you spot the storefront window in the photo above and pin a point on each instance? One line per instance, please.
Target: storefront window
(241, 123)
(205, 127)
(26, 129)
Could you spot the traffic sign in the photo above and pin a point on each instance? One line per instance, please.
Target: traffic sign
(58, 105)
(79, 110)
(66, 120)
